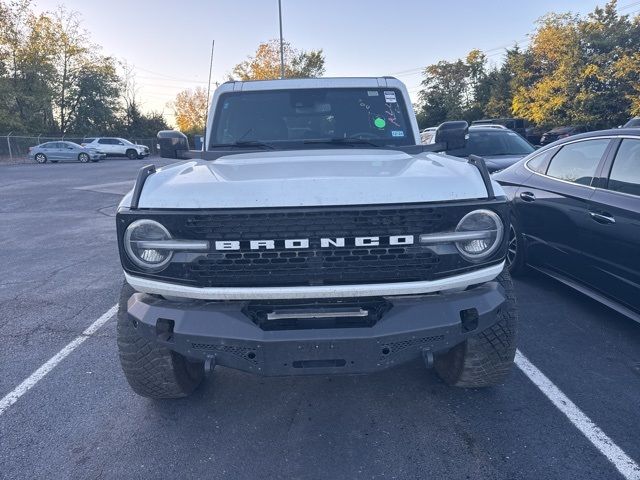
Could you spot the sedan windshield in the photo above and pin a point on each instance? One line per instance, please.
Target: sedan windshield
(312, 118)
(487, 143)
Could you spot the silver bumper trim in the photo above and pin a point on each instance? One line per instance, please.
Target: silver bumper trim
(324, 291)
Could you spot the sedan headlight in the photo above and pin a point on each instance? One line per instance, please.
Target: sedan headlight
(484, 230)
(140, 237)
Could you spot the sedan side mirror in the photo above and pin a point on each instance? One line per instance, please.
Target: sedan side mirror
(452, 134)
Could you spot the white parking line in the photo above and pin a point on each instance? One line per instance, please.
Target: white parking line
(13, 396)
(625, 464)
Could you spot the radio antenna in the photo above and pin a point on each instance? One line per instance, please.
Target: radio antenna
(206, 113)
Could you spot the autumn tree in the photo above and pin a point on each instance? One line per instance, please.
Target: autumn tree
(577, 70)
(190, 108)
(265, 63)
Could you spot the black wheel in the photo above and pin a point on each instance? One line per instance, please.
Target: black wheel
(41, 158)
(516, 250)
(485, 359)
(83, 157)
(152, 371)
(132, 154)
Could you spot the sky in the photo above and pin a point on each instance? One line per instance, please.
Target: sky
(168, 43)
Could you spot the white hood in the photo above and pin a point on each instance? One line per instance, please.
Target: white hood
(312, 178)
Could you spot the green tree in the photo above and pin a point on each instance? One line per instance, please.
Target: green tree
(444, 93)
(265, 63)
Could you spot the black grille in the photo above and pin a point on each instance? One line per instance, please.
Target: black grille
(314, 265)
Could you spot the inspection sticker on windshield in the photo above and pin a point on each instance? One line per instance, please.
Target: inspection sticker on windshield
(372, 93)
(397, 133)
(390, 97)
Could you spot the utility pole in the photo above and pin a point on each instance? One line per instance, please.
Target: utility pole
(281, 42)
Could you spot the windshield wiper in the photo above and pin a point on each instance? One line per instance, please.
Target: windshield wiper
(344, 141)
(245, 144)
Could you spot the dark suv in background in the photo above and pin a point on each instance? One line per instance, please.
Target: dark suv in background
(500, 147)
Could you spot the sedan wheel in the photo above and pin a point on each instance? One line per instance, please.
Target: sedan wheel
(515, 250)
(512, 246)
(41, 158)
(83, 157)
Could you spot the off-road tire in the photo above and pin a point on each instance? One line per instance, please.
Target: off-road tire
(518, 265)
(485, 359)
(152, 371)
(132, 154)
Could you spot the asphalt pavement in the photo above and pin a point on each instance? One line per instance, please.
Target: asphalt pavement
(80, 420)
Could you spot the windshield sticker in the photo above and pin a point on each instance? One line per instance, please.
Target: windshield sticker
(390, 97)
(397, 133)
(373, 93)
(391, 116)
(379, 122)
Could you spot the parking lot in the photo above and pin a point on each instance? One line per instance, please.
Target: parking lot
(77, 417)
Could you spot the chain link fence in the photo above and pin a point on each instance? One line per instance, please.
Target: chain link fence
(15, 148)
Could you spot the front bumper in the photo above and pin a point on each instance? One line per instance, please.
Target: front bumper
(412, 327)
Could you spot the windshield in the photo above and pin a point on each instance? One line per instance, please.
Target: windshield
(494, 143)
(125, 141)
(295, 118)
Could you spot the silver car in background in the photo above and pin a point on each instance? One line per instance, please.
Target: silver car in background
(64, 152)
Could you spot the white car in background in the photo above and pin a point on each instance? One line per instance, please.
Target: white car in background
(427, 135)
(117, 147)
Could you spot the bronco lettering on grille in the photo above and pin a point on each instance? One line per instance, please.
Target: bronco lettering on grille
(304, 243)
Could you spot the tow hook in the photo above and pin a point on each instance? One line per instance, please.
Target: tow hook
(427, 356)
(209, 365)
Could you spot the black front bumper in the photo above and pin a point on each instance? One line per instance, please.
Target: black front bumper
(222, 331)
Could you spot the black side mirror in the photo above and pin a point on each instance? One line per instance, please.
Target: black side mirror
(452, 134)
(172, 144)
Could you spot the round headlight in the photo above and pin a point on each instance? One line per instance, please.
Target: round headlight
(142, 231)
(490, 230)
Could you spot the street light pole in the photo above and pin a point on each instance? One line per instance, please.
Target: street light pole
(281, 42)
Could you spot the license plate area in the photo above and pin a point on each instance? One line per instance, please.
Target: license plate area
(274, 316)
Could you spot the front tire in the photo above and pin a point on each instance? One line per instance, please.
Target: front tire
(83, 158)
(41, 158)
(132, 154)
(152, 371)
(485, 359)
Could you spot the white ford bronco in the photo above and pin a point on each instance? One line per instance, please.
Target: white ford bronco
(314, 234)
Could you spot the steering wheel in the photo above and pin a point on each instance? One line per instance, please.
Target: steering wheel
(364, 136)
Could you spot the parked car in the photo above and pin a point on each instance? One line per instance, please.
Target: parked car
(518, 125)
(633, 123)
(533, 135)
(428, 134)
(55, 152)
(560, 133)
(117, 147)
(575, 215)
(500, 147)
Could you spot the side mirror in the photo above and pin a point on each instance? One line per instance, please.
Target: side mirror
(452, 134)
(172, 144)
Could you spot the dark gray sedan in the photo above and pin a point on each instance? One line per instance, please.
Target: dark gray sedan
(64, 152)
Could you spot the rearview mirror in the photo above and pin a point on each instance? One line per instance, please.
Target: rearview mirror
(452, 134)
